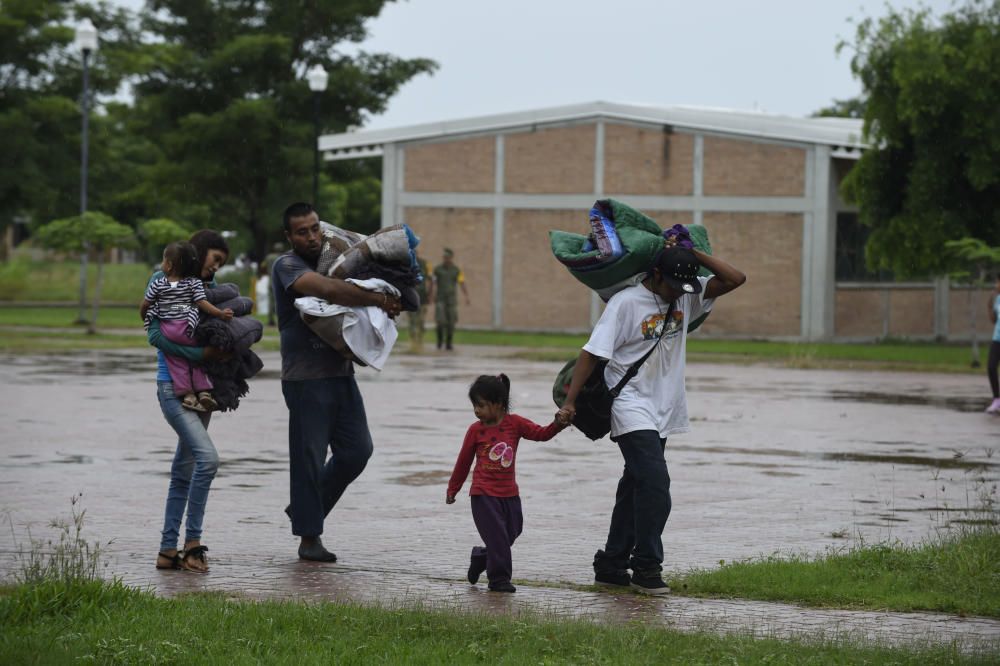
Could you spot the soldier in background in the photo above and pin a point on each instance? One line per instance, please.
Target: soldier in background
(447, 279)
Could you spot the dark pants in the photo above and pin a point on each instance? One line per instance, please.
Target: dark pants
(323, 413)
(499, 522)
(992, 361)
(642, 505)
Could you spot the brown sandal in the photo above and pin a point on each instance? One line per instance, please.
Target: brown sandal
(197, 554)
(175, 561)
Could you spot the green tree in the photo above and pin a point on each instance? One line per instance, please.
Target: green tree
(974, 261)
(221, 91)
(40, 88)
(843, 108)
(932, 171)
(158, 233)
(97, 231)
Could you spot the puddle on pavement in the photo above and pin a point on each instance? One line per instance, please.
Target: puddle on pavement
(76, 459)
(924, 461)
(774, 472)
(956, 403)
(423, 478)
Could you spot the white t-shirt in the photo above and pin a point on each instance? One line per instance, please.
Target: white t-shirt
(654, 399)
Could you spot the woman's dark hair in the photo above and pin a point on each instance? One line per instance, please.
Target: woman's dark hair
(491, 388)
(184, 258)
(205, 240)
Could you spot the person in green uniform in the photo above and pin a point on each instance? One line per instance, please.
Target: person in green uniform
(425, 290)
(447, 279)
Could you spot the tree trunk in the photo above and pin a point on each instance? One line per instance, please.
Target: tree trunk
(92, 325)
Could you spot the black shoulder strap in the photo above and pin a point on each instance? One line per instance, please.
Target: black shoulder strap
(634, 368)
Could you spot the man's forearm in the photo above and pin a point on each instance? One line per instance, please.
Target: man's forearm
(729, 277)
(585, 365)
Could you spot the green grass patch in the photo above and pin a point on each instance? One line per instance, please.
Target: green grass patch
(958, 573)
(23, 280)
(56, 623)
(889, 355)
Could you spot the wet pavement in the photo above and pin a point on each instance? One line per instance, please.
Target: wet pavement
(778, 461)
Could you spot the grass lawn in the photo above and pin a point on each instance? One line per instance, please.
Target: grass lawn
(890, 355)
(43, 281)
(958, 573)
(55, 622)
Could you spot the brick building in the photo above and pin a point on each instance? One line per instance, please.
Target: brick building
(766, 188)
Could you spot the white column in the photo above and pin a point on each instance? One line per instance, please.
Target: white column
(595, 300)
(818, 241)
(699, 178)
(498, 223)
(389, 185)
(942, 293)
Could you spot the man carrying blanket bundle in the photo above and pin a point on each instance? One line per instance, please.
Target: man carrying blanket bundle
(325, 409)
(652, 405)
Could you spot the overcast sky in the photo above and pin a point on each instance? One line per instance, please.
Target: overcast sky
(509, 55)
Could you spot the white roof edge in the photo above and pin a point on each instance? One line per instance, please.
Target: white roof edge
(843, 132)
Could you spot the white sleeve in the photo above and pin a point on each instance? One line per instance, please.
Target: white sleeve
(604, 336)
(699, 304)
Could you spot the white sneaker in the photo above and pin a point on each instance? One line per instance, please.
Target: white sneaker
(994, 407)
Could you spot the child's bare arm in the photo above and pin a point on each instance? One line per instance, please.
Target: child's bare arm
(213, 311)
(144, 308)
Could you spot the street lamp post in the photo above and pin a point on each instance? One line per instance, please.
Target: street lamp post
(86, 41)
(317, 78)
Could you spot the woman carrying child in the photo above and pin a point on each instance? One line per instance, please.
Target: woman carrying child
(496, 506)
(175, 298)
(196, 460)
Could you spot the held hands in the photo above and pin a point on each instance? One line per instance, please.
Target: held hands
(565, 415)
(449, 499)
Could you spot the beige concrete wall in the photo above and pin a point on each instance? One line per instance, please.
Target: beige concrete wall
(668, 218)
(861, 312)
(539, 292)
(768, 248)
(746, 168)
(469, 232)
(647, 161)
(465, 165)
(960, 318)
(550, 161)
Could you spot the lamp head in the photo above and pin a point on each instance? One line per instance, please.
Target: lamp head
(317, 78)
(86, 36)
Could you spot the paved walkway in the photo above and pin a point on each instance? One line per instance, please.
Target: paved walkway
(779, 461)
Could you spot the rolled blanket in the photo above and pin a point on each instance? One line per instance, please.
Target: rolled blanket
(241, 305)
(220, 293)
(229, 378)
(236, 335)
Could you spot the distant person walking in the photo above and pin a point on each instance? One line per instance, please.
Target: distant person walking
(425, 291)
(448, 279)
(994, 358)
(325, 409)
(195, 460)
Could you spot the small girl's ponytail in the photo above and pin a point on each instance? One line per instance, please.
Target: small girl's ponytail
(491, 388)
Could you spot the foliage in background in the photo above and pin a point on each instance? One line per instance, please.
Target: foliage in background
(932, 171)
(218, 129)
(40, 89)
(221, 91)
(853, 107)
(160, 232)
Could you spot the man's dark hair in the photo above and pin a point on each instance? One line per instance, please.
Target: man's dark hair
(184, 258)
(297, 209)
(491, 388)
(205, 240)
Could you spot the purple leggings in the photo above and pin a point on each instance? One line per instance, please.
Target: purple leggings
(187, 378)
(499, 522)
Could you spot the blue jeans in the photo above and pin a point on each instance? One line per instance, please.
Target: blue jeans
(193, 469)
(642, 505)
(323, 414)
